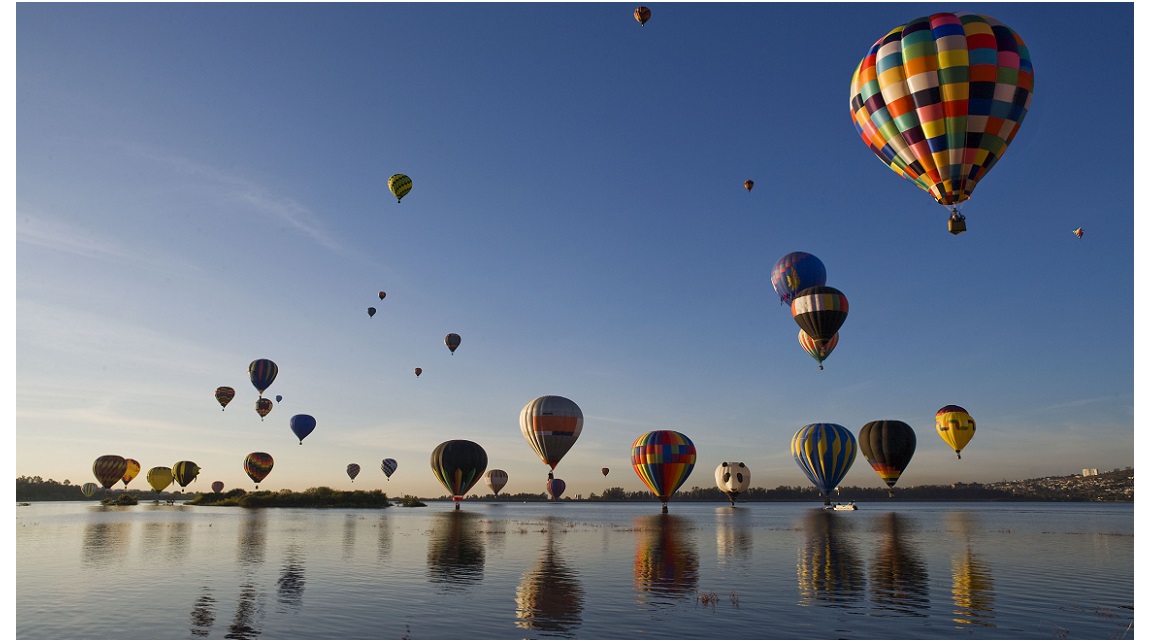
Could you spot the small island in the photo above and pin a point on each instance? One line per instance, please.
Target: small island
(313, 498)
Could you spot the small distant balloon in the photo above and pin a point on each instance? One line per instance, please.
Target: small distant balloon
(263, 407)
(224, 395)
(89, 489)
(279, 398)
(452, 340)
(389, 466)
(748, 184)
(371, 312)
(1078, 232)
(383, 295)
(496, 479)
(353, 471)
(217, 486)
(604, 471)
(642, 15)
(556, 488)
(301, 425)
(399, 185)
(418, 371)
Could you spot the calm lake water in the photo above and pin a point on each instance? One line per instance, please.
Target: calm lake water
(576, 570)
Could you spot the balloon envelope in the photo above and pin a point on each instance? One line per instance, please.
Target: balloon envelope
(217, 486)
(399, 185)
(604, 470)
(551, 425)
(224, 395)
(89, 489)
(819, 312)
(458, 465)
(383, 295)
(389, 466)
(159, 478)
(258, 465)
(263, 407)
(109, 470)
(301, 425)
(556, 488)
(663, 460)
(955, 426)
(184, 472)
(353, 471)
(371, 311)
(825, 452)
(795, 272)
(748, 184)
(815, 351)
(642, 15)
(1078, 232)
(132, 470)
(263, 373)
(496, 479)
(418, 371)
(939, 99)
(279, 398)
(887, 445)
(732, 478)
(453, 342)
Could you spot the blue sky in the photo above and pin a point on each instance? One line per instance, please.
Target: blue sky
(198, 186)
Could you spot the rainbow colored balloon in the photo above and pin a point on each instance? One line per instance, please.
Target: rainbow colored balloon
(663, 460)
(938, 100)
(258, 465)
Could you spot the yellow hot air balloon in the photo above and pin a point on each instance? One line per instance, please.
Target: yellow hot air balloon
(399, 185)
(955, 426)
(131, 472)
(159, 478)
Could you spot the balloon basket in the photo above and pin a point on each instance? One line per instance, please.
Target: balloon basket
(956, 224)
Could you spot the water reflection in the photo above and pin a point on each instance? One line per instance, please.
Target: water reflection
(455, 552)
(384, 546)
(733, 536)
(253, 535)
(290, 584)
(972, 588)
(349, 535)
(203, 613)
(549, 597)
(249, 607)
(105, 542)
(666, 559)
(250, 549)
(899, 583)
(829, 569)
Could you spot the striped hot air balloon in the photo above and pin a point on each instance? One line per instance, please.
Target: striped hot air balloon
(258, 465)
(820, 312)
(109, 470)
(887, 445)
(353, 471)
(551, 425)
(224, 395)
(459, 465)
(263, 373)
(825, 452)
(389, 466)
(496, 479)
(399, 185)
(663, 460)
(184, 472)
(818, 353)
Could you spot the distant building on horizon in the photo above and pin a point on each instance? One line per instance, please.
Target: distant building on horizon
(1090, 472)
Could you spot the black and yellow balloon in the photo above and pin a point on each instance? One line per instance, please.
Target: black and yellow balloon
(399, 185)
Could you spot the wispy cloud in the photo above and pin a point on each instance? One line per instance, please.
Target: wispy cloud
(68, 237)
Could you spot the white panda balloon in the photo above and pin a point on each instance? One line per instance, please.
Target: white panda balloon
(733, 479)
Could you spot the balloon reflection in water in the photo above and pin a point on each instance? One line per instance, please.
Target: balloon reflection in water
(733, 535)
(455, 550)
(203, 613)
(972, 587)
(666, 560)
(290, 584)
(105, 543)
(899, 583)
(549, 597)
(829, 569)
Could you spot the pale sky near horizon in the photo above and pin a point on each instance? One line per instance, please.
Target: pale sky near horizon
(201, 185)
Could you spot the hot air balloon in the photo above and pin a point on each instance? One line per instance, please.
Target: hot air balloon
(418, 371)
(258, 465)
(263, 407)
(496, 479)
(89, 489)
(399, 185)
(263, 374)
(1078, 232)
(217, 486)
(383, 295)
(888, 446)
(551, 425)
(279, 398)
(642, 15)
(556, 487)
(663, 460)
(955, 426)
(109, 470)
(733, 478)
(371, 312)
(820, 312)
(453, 342)
(940, 98)
(795, 272)
(159, 478)
(130, 472)
(748, 184)
(184, 472)
(353, 471)
(819, 353)
(604, 471)
(389, 466)
(302, 424)
(224, 395)
(458, 465)
(825, 452)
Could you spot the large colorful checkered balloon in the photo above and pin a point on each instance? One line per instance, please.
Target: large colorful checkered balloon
(939, 99)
